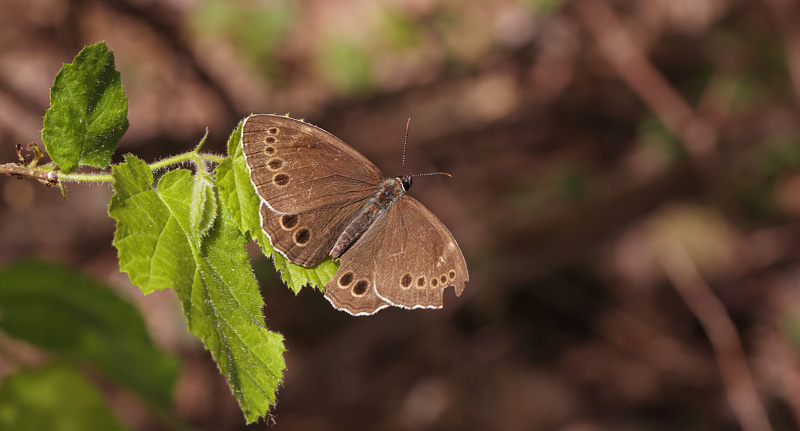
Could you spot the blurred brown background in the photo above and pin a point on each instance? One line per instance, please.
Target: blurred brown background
(626, 191)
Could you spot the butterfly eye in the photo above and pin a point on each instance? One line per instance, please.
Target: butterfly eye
(406, 182)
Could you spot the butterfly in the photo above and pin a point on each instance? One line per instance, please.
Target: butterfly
(320, 197)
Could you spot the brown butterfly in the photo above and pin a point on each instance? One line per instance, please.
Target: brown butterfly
(320, 197)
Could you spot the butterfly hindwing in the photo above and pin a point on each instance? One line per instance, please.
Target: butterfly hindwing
(353, 291)
(352, 288)
(419, 258)
(295, 166)
(307, 237)
(406, 258)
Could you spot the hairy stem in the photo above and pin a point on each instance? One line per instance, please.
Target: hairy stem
(50, 177)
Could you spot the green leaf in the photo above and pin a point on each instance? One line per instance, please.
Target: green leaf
(297, 276)
(55, 398)
(88, 111)
(239, 196)
(60, 310)
(151, 247)
(211, 276)
(203, 206)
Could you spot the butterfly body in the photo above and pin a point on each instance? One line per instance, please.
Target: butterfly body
(391, 189)
(322, 198)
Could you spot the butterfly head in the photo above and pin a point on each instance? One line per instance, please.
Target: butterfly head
(405, 182)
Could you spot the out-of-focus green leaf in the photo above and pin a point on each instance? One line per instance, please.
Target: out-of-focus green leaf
(255, 29)
(346, 66)
(543, 7)
(57, 309)
(400, 31)
(55, 398)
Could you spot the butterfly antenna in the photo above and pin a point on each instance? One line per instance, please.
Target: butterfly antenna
(405, 143)
(403, 165)
(431, 173)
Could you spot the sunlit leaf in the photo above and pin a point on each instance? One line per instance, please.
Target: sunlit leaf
(88, 111)
(211, 275)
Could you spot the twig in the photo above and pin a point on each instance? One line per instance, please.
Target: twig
(785, 13)
(782, 366)
(721, 332)
(698, 135)
(51, 178)
(48, 178)
(165, 24)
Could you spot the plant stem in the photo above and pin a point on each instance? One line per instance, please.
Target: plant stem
(170, 161)
(212, 158)
(184, 157)
(85, 178)
(46, 177)
(51, 177)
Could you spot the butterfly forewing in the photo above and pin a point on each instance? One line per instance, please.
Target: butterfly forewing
(295, 166)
